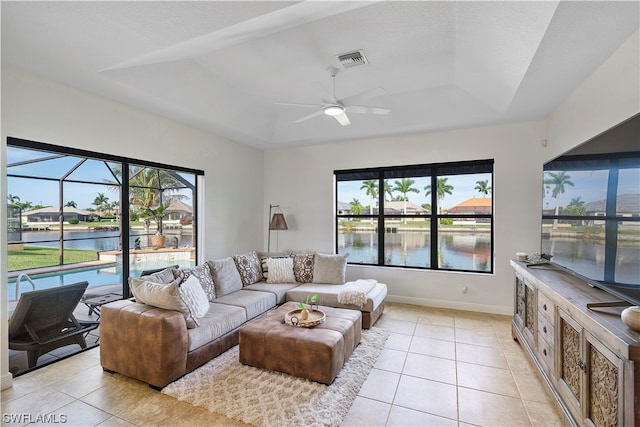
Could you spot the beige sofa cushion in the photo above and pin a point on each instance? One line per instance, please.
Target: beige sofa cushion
(219, 320)
(278, 289)
(328, 295)
(254, 302)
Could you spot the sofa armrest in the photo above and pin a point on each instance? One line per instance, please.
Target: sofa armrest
(143, 342)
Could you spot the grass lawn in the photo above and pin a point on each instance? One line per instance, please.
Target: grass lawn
(41, 256)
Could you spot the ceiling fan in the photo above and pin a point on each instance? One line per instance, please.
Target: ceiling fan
(338, 108)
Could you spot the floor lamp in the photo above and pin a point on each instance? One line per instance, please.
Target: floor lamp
(276, 222)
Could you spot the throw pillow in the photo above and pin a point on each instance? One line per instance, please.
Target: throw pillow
(167, 297)
(280, 270)
(194, 297)
(265, 266)
(226, 278)
(135, 283)
(203, 274)
(164, 276)
(249, 267)
(303, 267)
(330, 269)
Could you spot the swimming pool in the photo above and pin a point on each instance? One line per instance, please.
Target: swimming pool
(106, 274)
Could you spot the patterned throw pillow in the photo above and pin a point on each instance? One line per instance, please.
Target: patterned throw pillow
(303, 267)
(249, 267)
(202, 273)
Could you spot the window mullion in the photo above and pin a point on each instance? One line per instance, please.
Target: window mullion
(381, 224)
(434, 221)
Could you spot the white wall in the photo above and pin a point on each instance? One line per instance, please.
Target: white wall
(40, 110)
(301, 181)
(609, 96)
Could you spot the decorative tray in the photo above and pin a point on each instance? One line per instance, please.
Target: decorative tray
(315, 318)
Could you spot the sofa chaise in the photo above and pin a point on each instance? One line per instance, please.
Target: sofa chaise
(179, 319)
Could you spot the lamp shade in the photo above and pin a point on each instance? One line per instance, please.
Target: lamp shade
(278, 222)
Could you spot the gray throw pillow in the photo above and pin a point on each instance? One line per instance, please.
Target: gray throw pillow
(330, 269)
(168, 297)
(226, 278)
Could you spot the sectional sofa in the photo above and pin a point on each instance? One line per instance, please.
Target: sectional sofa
(179, 319)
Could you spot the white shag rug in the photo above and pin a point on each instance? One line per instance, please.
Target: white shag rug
(265, 398)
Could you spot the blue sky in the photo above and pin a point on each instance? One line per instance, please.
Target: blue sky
(463, 189)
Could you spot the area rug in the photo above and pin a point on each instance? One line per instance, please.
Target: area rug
(264, 398)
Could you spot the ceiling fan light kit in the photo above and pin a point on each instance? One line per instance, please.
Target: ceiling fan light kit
(333, 110)
(338, 108)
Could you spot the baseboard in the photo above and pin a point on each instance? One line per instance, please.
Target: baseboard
(453, 305)
(6, 381)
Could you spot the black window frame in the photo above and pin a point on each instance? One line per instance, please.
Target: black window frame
(124, 202)
(434, 171)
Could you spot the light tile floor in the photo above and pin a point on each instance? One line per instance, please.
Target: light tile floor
(438, 368)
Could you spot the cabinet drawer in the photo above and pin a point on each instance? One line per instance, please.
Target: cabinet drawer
(545, 328)
(545, 351)
(546, 307)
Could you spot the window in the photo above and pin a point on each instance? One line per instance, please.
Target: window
(391, 216)
(69, 206)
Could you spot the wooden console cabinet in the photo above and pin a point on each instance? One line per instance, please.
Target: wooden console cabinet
(588, 358)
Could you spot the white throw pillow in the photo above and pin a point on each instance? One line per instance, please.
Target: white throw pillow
(194, 297)
(280, 270)
(330, 269)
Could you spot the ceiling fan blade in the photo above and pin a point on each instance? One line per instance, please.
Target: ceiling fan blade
(361, 109)
(291, 104)
(363, 96)
(309, 116)
(343, 119)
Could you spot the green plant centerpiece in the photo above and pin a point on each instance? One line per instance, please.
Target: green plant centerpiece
(306, 305)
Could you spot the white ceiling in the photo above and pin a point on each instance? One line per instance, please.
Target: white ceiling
(220, 66)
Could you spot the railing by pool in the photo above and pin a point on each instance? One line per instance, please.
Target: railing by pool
(19, 278)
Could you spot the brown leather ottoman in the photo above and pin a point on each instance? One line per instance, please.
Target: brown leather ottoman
(316, 353)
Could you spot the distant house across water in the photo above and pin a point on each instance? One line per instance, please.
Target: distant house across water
(50, 214)
(475, 206)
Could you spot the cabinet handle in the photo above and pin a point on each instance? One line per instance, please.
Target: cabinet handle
(582, 366)
(544, 307)
(544, 329)
(544, 351)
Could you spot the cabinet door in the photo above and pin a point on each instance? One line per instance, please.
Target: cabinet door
(569, 364)
(520, 302)
(604, 382)
(525, 309)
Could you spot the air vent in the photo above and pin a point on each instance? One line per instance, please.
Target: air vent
(352, 59)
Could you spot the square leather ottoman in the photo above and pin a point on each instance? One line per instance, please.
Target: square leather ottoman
(316, 353)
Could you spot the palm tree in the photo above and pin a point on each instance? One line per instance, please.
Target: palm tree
(100, 202)
(404, 186)
(71, 204)
(388, 190)
(356, 207)
(13, 200)
(441, 191)
(558, 181)
(371, 187)
(483, 187)
(576, 201)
